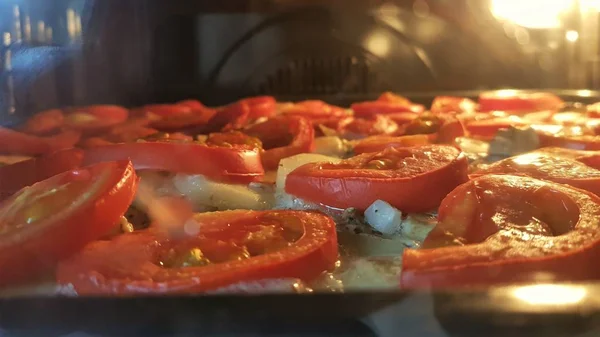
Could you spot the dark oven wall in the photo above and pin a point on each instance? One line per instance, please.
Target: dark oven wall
(134, 52)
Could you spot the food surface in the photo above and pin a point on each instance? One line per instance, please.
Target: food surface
(266, 196)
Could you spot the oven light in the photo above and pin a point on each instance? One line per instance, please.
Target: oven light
(572, 35)
(378, 44)
(531, 13)
(550, 294)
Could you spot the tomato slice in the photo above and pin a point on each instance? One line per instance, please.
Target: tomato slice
(282, 137)
(231, 247)
(261, 106)
(402, 118)
(314, 110)
(548, 165)
(380, 143)
(14, 142)
(193, 104)
(446, 128)
(371, 108)
(53, 219)
(451, 104)
(231, 117)
(25, 173)
(487, 128)
(169, 117)
(233, 138)
(396, 175)
(584, 142)
(390, 97)
(95, 118)
(228, 164)
(514, 100)
(508, 229)
(45, 122)
(358, 128)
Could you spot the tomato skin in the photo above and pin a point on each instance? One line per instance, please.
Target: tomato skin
(14, 142)
(193, 104)
(128, 264)
(489, 255)
(231, 117)
(314, 109)
(450, 104)
(372, 108)
(44, 122)
(102, 118)
(550, 165)
(518, 101)
(450, 130)
(28, 251)
(274, 130)
(590, 143)
(488, 128)
(344, 185)
(358, 128)
(22, 174)
(169, 117)
(217, 163)
(402, 118)
(379, 143)
(261, 106)
(390, 97)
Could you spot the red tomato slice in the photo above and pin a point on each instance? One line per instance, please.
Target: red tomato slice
(55, 218)
(282, 137)
(261, 106)
(218, 163)
(95, 118)
(450, 104)
(397, 175)
(93, 141)
(185, 114)
(192, 104)
(547, 165)
(14, 142)
(314, 110)
(594, 110)
(508, 229)
(25, 173)
(570, 142)
(45, 122)
(402, 118)
(372, 108)
(380, 143)
(362, 127)
(513, 100)
(589, 158)
(233, 138)
(450, 129)
(446, 128)
(231, 117)
(390, 97)
(231, 247)
(488, 128)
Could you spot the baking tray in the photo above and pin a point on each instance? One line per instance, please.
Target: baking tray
(490, 312)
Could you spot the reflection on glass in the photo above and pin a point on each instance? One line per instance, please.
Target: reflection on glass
(550, 294)
(531, 13)
(378, 44)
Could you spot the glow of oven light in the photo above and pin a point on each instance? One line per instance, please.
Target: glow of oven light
(584, 93)
(535, 14)
(550, 294)
(572, 35)
(378, 44)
